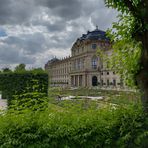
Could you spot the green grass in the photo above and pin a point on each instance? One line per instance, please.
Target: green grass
(115, 97)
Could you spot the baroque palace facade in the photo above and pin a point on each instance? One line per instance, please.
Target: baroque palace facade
(84, 68)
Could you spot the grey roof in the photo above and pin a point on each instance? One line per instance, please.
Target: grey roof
(95, 35)
(53, 60)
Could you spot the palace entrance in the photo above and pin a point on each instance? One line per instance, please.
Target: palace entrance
(94, 81)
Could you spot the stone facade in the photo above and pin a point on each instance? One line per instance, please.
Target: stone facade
(84, 68)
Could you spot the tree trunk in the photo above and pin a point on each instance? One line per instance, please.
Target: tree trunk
(142, 80)
(142, 77)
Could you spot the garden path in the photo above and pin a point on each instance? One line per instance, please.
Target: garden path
(3, 103)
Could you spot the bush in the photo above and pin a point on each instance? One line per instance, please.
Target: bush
(131, 128)
(15, 83)
(58, 127)
(34, 101)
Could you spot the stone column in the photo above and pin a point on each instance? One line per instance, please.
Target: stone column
(83, 80)
(71, 80)
(74, 83)
(89, 81)
(78, 80)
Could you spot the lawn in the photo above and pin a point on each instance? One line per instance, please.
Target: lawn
(110, 96)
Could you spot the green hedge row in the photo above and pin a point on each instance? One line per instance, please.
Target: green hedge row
(57, 127)
(17, 83)
(34, 101)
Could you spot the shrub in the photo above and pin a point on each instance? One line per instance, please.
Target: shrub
(70, 128)
(34, 101)
(15, 83)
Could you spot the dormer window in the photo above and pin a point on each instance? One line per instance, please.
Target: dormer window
(94, 46)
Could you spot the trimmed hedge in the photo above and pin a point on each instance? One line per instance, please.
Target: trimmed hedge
(34, 101)
(14, 83)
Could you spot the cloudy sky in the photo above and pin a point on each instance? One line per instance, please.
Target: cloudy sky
(34, 31)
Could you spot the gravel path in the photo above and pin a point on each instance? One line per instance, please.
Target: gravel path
(82, 97)
(3, 103)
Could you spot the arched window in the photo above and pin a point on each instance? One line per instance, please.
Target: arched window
(94, 62)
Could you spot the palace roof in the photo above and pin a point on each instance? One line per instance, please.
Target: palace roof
(94, 35)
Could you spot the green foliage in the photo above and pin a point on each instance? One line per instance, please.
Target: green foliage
(127, 47)
(125, 60)
(123, 29)
(34, 101)
(20, 68)
(22, 82)
(132, 27)
(74, 127)
(37, 70)
(132, 128)
(133, 8)
(7, 70)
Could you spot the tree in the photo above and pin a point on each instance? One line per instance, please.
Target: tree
(20, 67)
(133, 28)
(37, 69)
(6, 69)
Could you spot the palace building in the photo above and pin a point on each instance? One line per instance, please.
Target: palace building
(85, 67)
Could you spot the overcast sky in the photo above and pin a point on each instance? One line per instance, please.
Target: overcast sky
(34, 31)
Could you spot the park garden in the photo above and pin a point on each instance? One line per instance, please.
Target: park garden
(37, 117)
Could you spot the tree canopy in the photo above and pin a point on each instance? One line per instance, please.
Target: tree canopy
(6, 69)
(130, 37)
(20, 67)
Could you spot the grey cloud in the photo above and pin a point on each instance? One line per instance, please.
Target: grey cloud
(98, 13)
(16, 12)
(21, 49)
(12, 56)
(105, 21)
(57, 26)
(56, 3)
(66, 9)
(54, 24)
(31, 43)
(22, 11)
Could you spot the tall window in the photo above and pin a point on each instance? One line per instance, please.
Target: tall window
(94, 63)
(75, 65)
(83, 63)
(79, 64)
